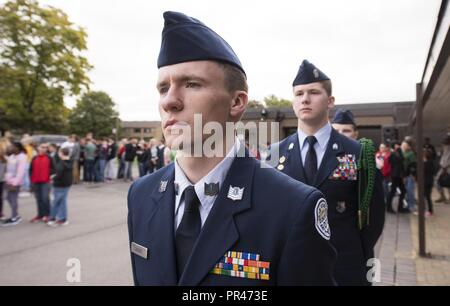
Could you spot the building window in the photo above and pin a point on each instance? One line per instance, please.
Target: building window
(147, 130)
(137, 130)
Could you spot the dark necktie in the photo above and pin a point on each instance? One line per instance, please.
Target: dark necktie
(188, 229)
(311, 160)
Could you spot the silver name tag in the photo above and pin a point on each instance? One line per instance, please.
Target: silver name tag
(139, 250)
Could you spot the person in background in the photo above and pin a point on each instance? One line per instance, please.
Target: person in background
(444, 165)
(153, 155)
(382, 162)
(75, 156)
(81, 161)
(110, 169)
(61, 185)
(3, 147)
(103, 155)
(410, 166)
(121, 158)
(396, 161)
(89, 160)
(428, 179)
(27, 143)
(130, 155)
(344, 122)
(140, 154)
(40, 171)
(14, 179)
(52, 149)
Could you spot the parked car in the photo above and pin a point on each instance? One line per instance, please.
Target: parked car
(56, 139)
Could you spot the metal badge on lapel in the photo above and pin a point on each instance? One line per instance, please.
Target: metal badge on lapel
(244, 265)
(280, 167)
(235, 193)
(211, 189)
(139, 250)
(162, 186)
(340, 207)
(291, 146)
(335, 146)
(282, 159)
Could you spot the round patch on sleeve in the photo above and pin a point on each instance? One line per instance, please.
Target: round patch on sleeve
(321, 218)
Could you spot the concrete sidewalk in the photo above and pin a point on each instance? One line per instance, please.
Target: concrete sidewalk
(399, 248)
(36, 254)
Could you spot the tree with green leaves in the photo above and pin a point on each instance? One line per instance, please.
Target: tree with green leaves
(254, 104)
(41, 61)
(94, 113)
(274, 101)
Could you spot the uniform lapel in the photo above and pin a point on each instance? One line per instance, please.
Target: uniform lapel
(294, 165)
(219, 233)
(161, 228)
(329, 160)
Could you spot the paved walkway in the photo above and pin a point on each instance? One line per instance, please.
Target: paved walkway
(435, 269)
(399, 245)
(36, 254)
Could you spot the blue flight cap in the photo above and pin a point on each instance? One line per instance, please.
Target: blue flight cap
(308, 73)
(186, 39)
(343, 116)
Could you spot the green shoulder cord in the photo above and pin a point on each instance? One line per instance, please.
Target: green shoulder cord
(366, 181)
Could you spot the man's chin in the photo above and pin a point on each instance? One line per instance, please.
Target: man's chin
(176, 142)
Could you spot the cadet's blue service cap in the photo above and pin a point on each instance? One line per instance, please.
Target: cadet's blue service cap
(343, 116)
(186, 39)
(308, 73)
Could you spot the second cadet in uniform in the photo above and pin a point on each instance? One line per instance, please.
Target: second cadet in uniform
(344, 123)
(321, 157)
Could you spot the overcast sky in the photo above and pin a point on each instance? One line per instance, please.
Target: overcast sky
(374, 51)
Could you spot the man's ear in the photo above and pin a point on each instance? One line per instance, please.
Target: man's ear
(238, 104)
(331, 102)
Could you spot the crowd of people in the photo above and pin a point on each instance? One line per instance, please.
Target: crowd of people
(397, 162)
(42, 169)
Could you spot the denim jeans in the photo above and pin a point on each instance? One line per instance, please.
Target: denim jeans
(59, 205)
(42, 194)
(89, 169)
(12, 197)
(101, 170)
(127, 172)
(410, 192)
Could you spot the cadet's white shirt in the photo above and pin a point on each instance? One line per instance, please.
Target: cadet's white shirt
(216, 175)
(323, 136)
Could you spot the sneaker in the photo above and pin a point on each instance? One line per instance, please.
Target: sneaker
(51, 222)
(12, 221)
(45, 219)
(24, 194)
(2, 217)
(62, 222)
(36, 219)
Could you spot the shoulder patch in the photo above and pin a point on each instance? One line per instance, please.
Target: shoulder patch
(321, 218)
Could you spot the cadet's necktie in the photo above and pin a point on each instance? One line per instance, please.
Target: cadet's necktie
(188, 229)
(311, 160)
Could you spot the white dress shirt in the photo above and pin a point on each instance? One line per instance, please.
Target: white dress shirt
(322, 136)
(216, 175)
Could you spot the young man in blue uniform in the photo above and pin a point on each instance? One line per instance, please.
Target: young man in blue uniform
(321, 157)
(344, 123)
(219, 220)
